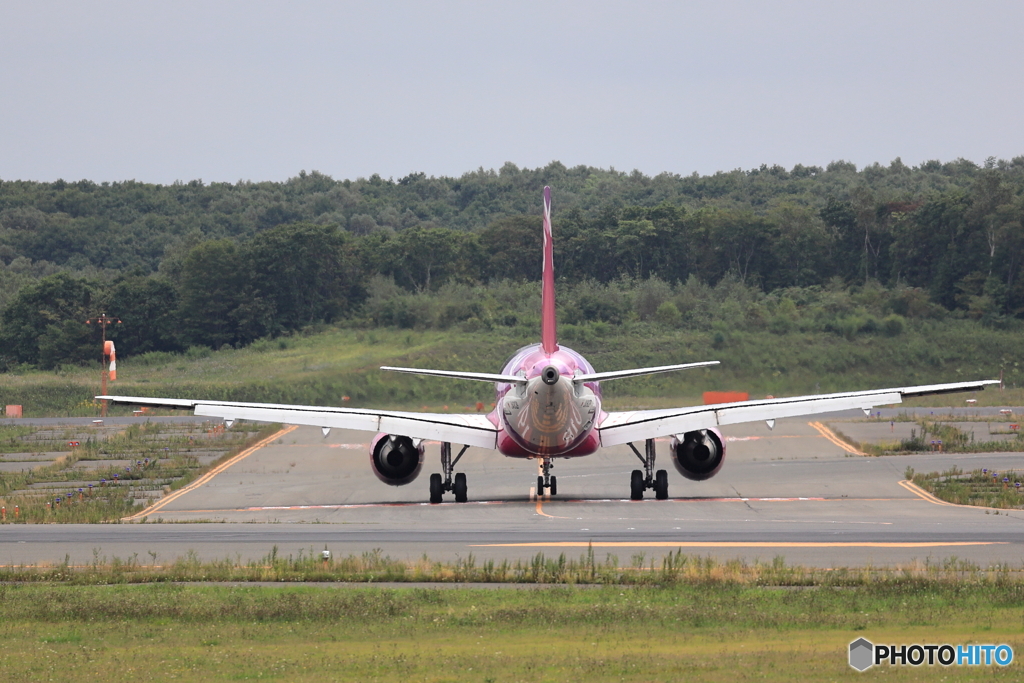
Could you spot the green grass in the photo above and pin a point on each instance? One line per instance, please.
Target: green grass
(706, 631)
(588, 568)
(164, 458)
(688, 618)
(954, 439)
(982, 488)
(325, 367)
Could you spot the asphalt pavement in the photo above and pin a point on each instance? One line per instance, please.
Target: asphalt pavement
(790, 492)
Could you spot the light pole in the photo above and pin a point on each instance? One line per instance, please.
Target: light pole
(103, 320)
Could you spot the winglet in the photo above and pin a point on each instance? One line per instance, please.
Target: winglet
(548, 335)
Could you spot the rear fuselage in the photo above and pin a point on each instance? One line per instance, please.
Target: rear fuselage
(550, 415)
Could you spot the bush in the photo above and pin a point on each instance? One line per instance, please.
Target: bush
(869, 325)
(651, 295)
(892, 325)
(668, 314)
(197, 352)
(780, 325)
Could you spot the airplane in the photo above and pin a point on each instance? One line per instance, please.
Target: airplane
(547, 406)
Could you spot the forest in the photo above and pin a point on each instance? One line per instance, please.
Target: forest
(838, 249)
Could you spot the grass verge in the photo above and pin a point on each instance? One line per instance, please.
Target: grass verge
(982, 487)
(112, 473)
(708, 631)
(374, 567)
(935, 435)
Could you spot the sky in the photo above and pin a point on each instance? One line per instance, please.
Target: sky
(228, 91)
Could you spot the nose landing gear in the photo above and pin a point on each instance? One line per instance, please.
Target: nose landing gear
(648, 478)
(439, 485)
(546, 480)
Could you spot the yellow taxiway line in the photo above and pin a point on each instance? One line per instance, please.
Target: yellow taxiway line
(924, 495)
(831, 436)
(209, 475)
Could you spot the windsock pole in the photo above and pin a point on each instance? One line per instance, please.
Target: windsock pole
(108, 352)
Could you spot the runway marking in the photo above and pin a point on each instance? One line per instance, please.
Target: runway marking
(773, 436)
(831, 436)
(347, 506)
(540, 511)
(735, 544)
(209, 475)
(538, 502)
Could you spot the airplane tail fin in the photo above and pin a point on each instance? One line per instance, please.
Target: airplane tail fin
(548, 323)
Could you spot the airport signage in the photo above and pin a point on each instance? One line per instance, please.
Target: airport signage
(864, 654)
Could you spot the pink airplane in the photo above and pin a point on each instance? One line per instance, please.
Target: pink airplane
(548, 405)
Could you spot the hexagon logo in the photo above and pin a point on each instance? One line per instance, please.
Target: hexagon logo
(862, 654)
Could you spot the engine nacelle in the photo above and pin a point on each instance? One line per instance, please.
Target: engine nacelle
(698, 455)
(396, 460)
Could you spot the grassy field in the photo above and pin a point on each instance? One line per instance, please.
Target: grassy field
(708, 631)
(324, 368)
(955, 439)
(985, 488)
(112, 472)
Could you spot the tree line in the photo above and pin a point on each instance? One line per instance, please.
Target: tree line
(212, 265)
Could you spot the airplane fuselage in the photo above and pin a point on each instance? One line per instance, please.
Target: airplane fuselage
(550, 415)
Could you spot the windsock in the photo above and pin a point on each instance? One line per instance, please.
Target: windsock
(108, 350)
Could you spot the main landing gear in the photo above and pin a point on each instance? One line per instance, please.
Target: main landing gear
(439, 485)
(545, 480)
(648, 479)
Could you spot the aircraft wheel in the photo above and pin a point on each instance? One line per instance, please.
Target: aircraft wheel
(661, 485)
(553, 490)
(636, 485)
(460, 488)
(540, 486)
(435, 488)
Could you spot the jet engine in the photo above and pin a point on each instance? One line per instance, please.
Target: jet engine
(698, 455)
(396, 460)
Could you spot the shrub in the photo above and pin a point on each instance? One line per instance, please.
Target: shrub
(892, 325)
(780, 325)
(668, 314)
(651, 295)
(197, 352)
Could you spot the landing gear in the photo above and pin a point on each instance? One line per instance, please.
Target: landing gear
(546, 480)
(460, 488)
(640, 481)
(661, 485)
(439, 484)
(636, 485)
(436, 488)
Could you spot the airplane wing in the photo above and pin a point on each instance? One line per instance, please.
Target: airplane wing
(639, 425)
(470, 430)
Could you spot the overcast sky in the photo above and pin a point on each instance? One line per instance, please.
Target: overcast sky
(227, 91)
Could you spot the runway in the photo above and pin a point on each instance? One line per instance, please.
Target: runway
(792, 492)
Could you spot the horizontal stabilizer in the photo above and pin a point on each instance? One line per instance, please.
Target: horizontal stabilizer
(635, 372)
(455, 374)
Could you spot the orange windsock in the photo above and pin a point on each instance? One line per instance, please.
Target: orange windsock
(108, 350)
